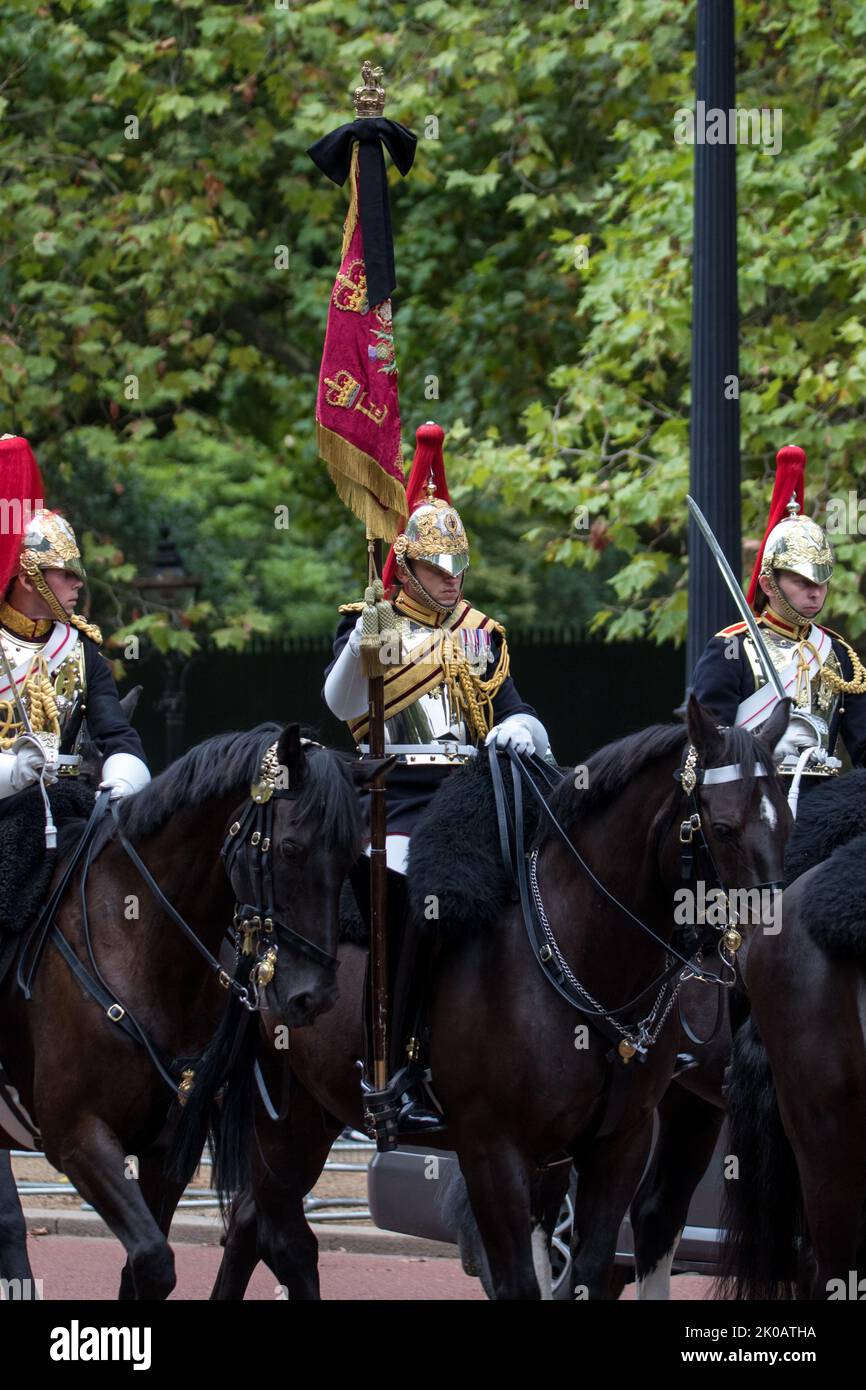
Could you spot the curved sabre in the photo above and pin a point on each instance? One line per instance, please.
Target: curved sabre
(738, 596)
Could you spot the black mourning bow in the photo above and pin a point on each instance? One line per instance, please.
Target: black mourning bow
(333, 155)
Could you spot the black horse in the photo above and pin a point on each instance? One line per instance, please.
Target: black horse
(690, 1119)
(15, 1269)
(795, 1216)
(100, 1098)
(519, 1087)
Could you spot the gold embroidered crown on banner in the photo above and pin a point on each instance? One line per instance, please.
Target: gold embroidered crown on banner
(350, 290)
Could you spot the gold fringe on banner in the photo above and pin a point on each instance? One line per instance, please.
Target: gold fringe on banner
(352, 214)
(376, 498)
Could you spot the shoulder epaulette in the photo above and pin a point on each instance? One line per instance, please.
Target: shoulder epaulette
(88, 629)
(350, 608)
(832, 632)
(732, 630)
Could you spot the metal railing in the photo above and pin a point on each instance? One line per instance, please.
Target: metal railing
(350, 1154)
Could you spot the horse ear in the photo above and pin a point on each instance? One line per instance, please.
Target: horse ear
(363, 772)
(773, 729)
(290, 754)
(703, 734)
(130, 700)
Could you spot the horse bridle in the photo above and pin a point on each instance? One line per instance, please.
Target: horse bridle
(693, 840)
(255, 923)
(250, 921)
(546, 949)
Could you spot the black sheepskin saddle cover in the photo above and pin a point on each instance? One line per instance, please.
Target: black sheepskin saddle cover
(830, 830)
(455, 855)
(830, 816)
(26, 866)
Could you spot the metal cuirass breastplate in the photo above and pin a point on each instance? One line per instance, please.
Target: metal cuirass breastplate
(813, 697)
(67, 682)
(431, 718)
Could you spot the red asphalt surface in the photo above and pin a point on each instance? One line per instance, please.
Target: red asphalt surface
(88, 1268)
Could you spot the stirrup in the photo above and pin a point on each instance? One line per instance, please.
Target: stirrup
(385, 1110)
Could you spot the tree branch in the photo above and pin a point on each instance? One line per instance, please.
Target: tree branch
(268, 340)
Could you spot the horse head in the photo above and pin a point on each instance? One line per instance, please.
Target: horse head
(299, 835)
(736, 813)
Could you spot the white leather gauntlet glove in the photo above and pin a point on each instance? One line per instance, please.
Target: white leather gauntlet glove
(22, 764)
(355, 635)
(123, 773)
(522, 732)
(797, 737)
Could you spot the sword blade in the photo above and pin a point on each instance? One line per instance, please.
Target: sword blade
(739, 598)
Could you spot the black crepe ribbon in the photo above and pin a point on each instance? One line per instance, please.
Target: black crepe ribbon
(333, 155)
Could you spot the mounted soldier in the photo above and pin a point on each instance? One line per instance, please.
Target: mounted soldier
(52, 674)
(448, 691)
(816, 668)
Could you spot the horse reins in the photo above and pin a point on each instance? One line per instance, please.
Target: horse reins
(252, 922)
(545, 947)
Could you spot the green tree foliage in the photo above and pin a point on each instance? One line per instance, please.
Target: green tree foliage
(611, 434)
(162, 355)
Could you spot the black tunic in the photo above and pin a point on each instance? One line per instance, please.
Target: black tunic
(107, 724)
(410, 787)
(723, 678)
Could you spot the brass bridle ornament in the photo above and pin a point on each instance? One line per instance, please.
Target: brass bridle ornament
(247, 851)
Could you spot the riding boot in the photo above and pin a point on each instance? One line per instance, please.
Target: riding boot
(408, 1043)
(401, 1106)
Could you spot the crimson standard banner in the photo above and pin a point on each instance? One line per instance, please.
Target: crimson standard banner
(358, 409)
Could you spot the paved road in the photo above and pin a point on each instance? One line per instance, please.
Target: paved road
(88, 1268)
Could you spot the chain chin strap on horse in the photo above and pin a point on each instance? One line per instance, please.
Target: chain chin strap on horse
(247, 853)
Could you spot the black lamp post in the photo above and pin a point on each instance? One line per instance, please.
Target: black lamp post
(173, 588)
(715, 417)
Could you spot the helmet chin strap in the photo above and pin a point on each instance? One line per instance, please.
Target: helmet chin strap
(785, 607)
(46, 593)
(413, 583)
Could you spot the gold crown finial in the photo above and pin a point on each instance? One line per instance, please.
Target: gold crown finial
(370, 99)
(430, 490)
(793, 506)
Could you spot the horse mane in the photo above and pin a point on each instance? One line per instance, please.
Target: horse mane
(214, 768)
(225, 763)
(609, 771)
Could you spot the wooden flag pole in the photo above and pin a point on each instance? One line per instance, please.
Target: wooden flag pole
(378, 861)
(358, 436)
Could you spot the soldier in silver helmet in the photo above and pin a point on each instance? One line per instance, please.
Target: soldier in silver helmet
(52, 675)
(821, 673)
(448, 690)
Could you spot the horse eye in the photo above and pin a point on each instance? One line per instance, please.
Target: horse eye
(292, 849)
(723, 831)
